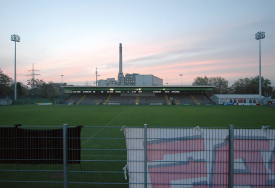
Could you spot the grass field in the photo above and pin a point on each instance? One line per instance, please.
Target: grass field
(154, 116)
(103, 152)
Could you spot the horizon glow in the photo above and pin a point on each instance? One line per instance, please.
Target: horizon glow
(163, 38)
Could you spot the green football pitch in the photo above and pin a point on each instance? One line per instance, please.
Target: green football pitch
(103, 152)
(153, 116)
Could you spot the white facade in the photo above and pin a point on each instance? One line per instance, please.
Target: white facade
(157, 81)
(236, 99)
(148, 80)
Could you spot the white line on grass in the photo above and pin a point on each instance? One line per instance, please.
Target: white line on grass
(105, 126)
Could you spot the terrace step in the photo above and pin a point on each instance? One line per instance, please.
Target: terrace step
(194, 100)
(137, 100)
(106, 101)
(80, 100)
(167, 100)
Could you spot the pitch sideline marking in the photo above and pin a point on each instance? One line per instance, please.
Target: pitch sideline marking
(105, 126)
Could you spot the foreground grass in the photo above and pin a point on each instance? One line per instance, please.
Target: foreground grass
(154, 116)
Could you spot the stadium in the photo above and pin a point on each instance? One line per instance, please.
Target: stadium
(135, 89)
(134, 95)
(142, 126)
(105, 142)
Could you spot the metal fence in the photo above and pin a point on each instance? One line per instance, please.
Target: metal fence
(103, 156)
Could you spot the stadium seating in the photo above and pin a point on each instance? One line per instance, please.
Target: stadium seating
(143, 99)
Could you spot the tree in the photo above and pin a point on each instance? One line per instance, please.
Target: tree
(49, 91)
(35, 87)
(201, 81)
(42, 89)
(22, 90)
(221, 84)
(273, 94)
(35, 83)
(19, 89)
(5, 82)
(251, 86)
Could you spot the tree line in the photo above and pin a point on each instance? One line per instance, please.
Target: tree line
(240, 86)
(35, 88)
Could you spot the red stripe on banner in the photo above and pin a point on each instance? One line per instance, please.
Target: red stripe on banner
(250, 152)
(161, 176)
(221, 170)
(157, 151)
(249, 167)
(251, 145)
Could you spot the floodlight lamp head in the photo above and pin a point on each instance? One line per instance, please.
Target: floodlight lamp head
(260, 35)
(15, 38)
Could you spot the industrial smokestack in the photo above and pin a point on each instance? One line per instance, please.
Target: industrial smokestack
(120, 58)
(120, 73)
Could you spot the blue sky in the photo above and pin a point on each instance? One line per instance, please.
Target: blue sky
(163, 38)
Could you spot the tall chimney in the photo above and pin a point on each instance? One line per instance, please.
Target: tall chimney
(120, 73)
(120, 58)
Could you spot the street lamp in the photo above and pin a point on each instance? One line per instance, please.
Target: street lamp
(62, 79)
(15, 38)
(258, 36)
(181, 78)
(96, 75)
(62, 86)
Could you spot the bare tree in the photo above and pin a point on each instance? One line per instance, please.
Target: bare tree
(221, 84)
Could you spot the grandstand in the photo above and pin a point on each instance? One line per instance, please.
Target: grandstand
(137, 95)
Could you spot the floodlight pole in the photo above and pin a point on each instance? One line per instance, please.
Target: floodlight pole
(15, 86)
(260, 72)
(15, 38)
(258, 36)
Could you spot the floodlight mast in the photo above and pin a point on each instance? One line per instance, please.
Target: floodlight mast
(258, 36)
(15, 38)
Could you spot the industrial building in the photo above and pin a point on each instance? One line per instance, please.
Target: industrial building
(108, 82)
(136, 89)
(142, 80)
(134, 79)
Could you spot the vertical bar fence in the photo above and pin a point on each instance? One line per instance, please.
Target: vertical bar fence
(136, 157)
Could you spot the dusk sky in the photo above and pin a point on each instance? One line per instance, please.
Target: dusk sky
(163, 38)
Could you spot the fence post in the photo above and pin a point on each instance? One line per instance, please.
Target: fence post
(231, 157)
(65, 157)
(145, 155)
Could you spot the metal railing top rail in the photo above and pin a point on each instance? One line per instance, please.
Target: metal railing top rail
(120, 127)
(35, 126)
